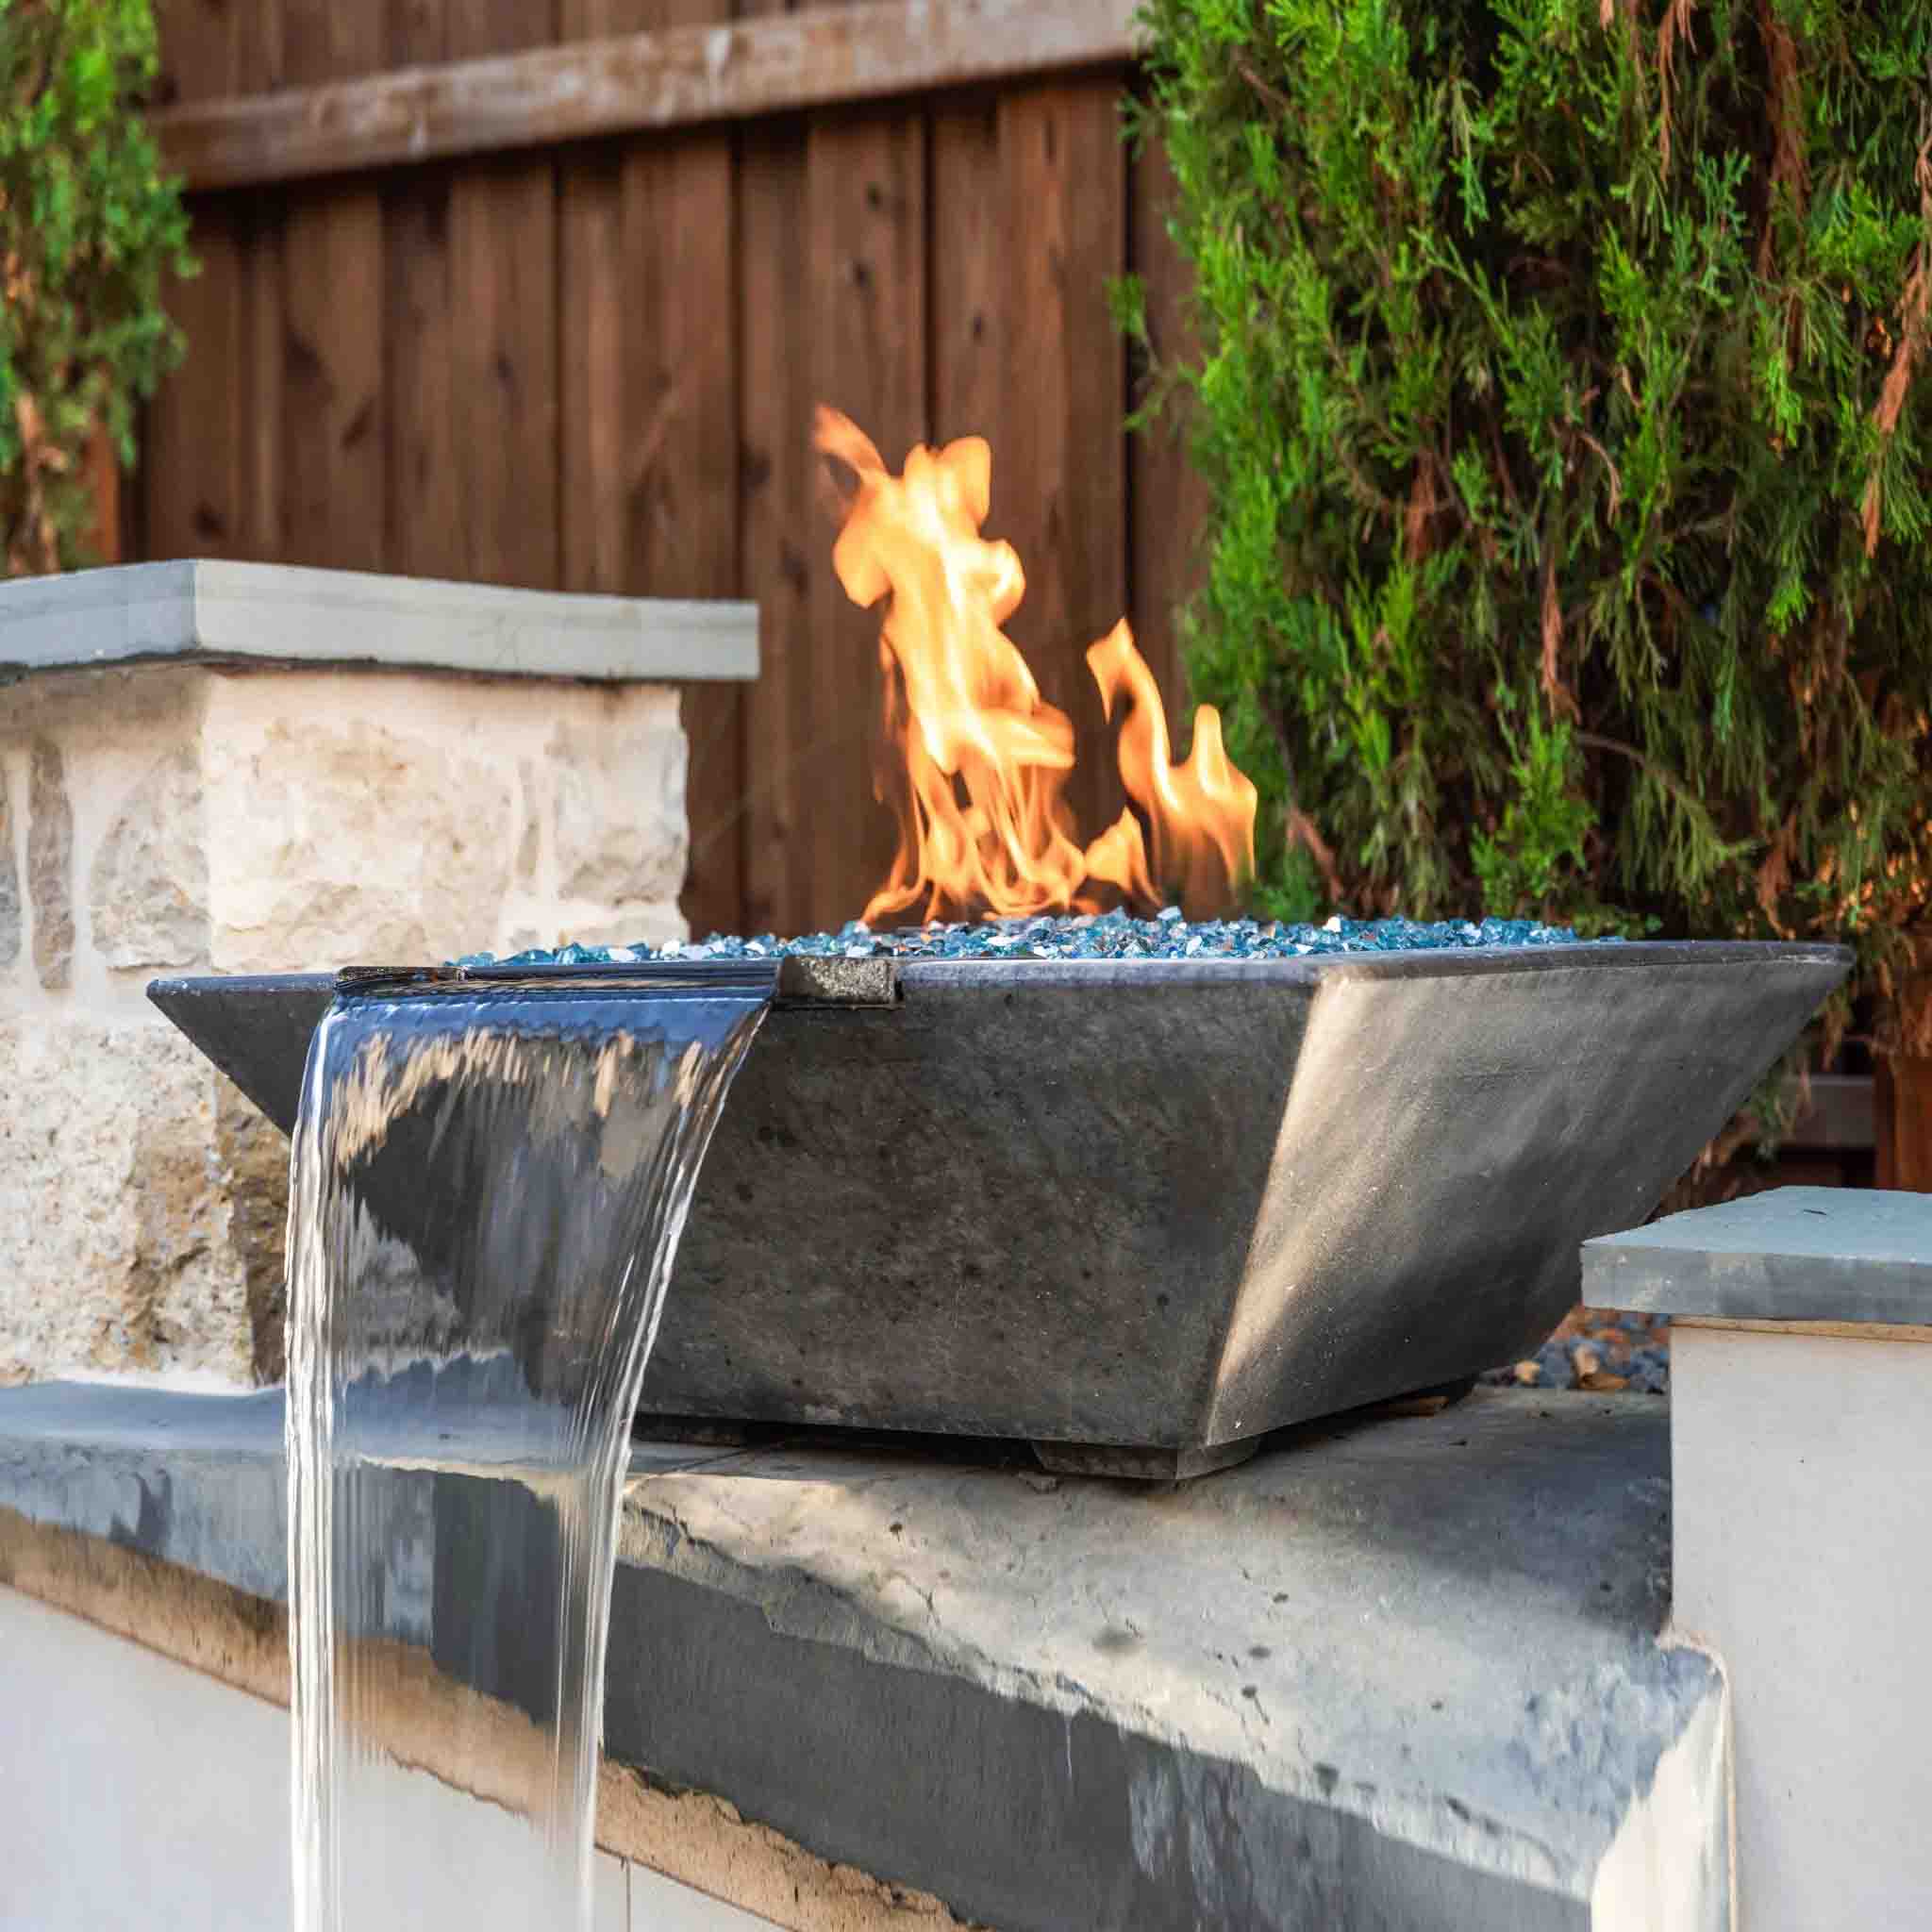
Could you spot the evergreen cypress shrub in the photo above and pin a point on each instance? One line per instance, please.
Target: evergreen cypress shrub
(1564, 391)
(88, 227)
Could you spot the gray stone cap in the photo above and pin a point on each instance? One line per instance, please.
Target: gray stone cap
(1397, 1671)
(199, 610)
(1790, 1254)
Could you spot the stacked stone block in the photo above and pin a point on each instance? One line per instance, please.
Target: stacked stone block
(196, 816)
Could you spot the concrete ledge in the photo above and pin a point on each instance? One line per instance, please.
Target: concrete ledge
(1801, 1381)
(1397, 1673)
(1793, 1255)
(200, 611)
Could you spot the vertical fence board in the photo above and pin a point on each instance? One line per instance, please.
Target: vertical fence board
(207, 483)
(777, 526)
(650, 429)
(681, 252)
(968, 265)
(1058, 471)
(502, 372)
(502, 331)
(679, 477)
(1169, 496)
(103, 473)
(195, 432)
(865, 220)
(1903, 1100)
(594, 315)
(777, 522)
(422, 532)
(680, 474)
(261, 61)
(331, 458)
(260, 534)
(332, 377)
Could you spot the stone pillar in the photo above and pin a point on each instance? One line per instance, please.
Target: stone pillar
(237, 769)
(1801, 1471)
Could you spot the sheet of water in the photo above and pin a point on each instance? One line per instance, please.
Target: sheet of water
(487, 1188)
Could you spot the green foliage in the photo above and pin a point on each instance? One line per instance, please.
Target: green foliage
(1564, 388)
(1536, 855)
(88, 228)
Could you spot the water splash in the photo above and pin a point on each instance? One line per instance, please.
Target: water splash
(487, 1188)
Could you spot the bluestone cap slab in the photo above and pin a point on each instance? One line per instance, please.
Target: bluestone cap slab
(199, 610)
(1792, 1255)
(1395, 1674)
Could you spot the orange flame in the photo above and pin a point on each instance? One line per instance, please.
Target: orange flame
(964, 715)
(1202, 811)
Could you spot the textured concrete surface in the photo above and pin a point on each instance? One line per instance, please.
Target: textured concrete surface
(470, 1743)
(1400, 1674)
(1803, 1556)
(108, 1824)
(209, 610)
(1789, 1255)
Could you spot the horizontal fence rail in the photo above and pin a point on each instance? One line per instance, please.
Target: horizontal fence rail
(676, 77)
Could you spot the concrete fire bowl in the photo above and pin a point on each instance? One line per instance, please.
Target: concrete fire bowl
(1140, 1214)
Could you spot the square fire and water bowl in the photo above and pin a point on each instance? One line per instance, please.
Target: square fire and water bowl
(1139, 1213)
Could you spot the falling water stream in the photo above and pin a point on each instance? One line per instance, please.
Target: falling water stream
(487, 1184)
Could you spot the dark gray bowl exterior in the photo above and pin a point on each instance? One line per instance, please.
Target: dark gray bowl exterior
(1167, 1203)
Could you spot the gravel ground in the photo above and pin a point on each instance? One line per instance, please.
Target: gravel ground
(1599, 1350)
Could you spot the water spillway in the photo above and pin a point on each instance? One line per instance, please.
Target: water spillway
(487, 1187)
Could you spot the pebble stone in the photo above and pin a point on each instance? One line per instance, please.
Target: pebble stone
(1091, 936)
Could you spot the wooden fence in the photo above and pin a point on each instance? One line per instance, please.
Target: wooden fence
(543, 291)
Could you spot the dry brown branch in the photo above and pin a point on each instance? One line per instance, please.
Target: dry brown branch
(1606, 16)
(1501, 459)
(1301, 831)
(1787, 169)
(1774, 873)
(1595, 740)
(1272, 95)
(1609, 463)
(1898, 382)
(1675, 26)
(1422, 505)
(1561, 698)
